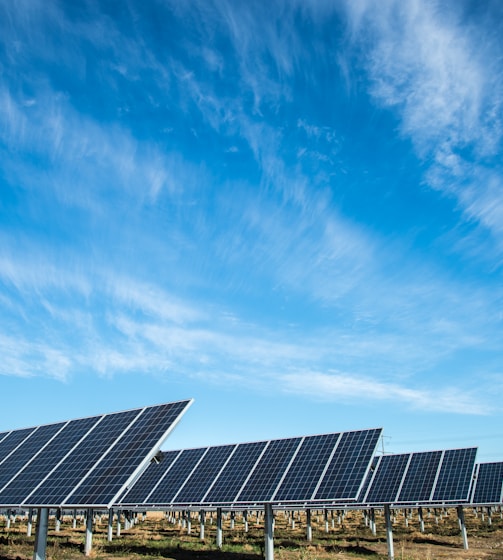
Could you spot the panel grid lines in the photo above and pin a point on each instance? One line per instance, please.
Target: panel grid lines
(92, 458)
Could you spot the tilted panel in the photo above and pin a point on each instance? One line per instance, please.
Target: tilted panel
(113, 435)
(488, 484)
(420, 478)
(267, 474)
(24, 453)
(350, 463)
(387, 479)
(72, 470)
(199, 482)
(35, 472)
(11, 441)
(456, 471)
(368, 479)
(305, 472)
(177, 475)
(235, 473)
(147, 482)
(121, 461)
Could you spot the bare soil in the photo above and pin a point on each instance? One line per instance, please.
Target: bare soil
(349, 538)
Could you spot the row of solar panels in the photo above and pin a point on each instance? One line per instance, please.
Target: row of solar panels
(82, 462)
(103, 461)
(315, 470)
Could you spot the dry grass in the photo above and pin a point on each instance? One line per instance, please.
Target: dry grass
(348, 538)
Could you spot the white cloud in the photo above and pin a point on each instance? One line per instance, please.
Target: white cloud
(339, 387)
(445, 80)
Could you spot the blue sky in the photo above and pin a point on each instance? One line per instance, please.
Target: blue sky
(291, 212)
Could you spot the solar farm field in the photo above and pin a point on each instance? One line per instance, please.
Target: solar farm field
(340, 537)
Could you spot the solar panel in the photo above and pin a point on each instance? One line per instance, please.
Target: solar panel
(307, 468)
(199, 482)
(235, 473)
(268, 472)
(387, 480)
(82, 462)
(488, 486)
(455, 475)
(349, 465)
(178, 474)
(422, 478)
(150, 479)
(290, 470)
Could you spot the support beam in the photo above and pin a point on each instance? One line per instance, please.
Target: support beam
(389, 532)
(462, 526)
(41, 534)
(201, 524)
(219, 528)
(89, 533)
(110, 531)
(421, 519)
(29, 524)
(268, 532)
(309, 529)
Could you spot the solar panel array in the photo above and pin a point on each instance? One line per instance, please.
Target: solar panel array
(432, 477)
(488, 485)
(84, 462)
(324, 468)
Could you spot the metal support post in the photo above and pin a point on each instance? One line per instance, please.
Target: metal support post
(41, 534)
(219, 528)
(461, 517)
(89, 533)
(389, 532)
(268, 532)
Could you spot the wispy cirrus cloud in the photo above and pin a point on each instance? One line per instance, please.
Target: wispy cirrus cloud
(445, 81)
(348, 387)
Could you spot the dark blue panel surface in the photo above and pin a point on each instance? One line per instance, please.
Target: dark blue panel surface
(420, 478)
(176, 476)
(346, 473)
(304, 474)
(123, 458)
(195, 488)
(455, 476)
(9, 443)
(387, 479)
(149, 479)
(22, 455)
(489, 484)
(90, 459)
(235, 473)
(34, 473)
(267, 474)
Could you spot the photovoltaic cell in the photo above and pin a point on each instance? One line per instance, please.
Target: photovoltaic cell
(293, 470)
(88, 460)
(197, 485)
(11, 441)
(154, 473)
(232, 478)
(488, 484)
(24, 453)
(387, 478)
(122, 459)
(300, 482)
(420, 478)
(349, 465)
(177, 475)
(38, 469)
(267, 474)
(455, 475)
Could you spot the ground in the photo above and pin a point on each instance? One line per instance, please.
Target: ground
(347, 538)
